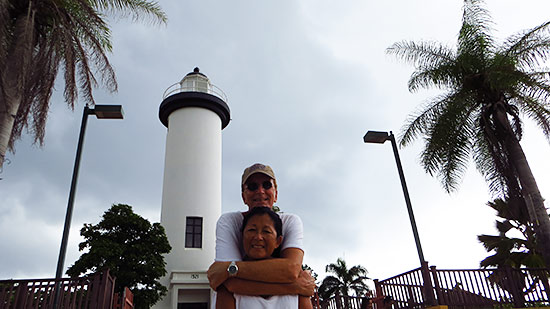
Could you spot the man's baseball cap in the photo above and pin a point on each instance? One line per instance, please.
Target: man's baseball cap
(257, 168)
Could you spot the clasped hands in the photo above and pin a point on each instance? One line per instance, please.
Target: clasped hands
(304, 285)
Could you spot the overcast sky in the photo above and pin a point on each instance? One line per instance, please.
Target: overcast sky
(305, 80)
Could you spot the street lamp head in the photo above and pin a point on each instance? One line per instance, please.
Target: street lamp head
(376, 137)
(103, 111)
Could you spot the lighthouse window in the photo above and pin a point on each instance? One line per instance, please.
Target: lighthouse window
(193, 232)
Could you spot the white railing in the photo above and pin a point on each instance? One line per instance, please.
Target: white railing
(211, 89)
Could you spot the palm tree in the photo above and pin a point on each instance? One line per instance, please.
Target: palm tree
(37, 38)
(488, 87)
(511, 251)
(344, 281)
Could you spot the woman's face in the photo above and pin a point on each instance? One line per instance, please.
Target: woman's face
(260, 237)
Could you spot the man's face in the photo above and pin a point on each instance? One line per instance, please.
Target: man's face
(260, 197)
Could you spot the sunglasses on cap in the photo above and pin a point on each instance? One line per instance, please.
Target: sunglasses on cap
(253, 186)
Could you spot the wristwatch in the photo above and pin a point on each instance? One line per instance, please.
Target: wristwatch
(232, 269)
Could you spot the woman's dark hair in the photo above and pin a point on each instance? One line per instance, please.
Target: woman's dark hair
(277, 223)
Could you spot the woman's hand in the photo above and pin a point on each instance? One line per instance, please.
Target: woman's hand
(217, 274)
(305, 283)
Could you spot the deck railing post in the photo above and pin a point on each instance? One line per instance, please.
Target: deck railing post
(338, 300)
(428, 286)
(21, 295)
(513, 287)
(379, 296)
(544, 278)
(433, 272)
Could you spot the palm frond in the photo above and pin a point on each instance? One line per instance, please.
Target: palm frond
(534, 85)
(491, 243)
(417, 123)
(136, 8)
(474, 36)
(485, 164)
(491, 261)
(442, 76)
(423, 54)
(537, 112)
(532, 260)
(503, 226)
(530, 47)
(448, 141)
(475, 14)
(37, 38)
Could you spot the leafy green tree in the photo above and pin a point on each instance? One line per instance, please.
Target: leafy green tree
(488, 87)
(131, 247)
(344, 281)
(511, 251)
(37, 38)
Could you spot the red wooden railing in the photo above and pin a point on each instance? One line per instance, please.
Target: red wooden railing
(126, 301)
(467, 288)
(94, 292)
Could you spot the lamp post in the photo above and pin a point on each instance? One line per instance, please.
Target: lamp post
(380, 138)
(101, 112)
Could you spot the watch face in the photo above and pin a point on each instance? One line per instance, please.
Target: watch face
(233, 269)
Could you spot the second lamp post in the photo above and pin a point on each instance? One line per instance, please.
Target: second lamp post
(380, 138)
(101, 112)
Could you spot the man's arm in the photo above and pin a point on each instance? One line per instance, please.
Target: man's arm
(304, 302)
(303, 285)
(280, 270)
(224, 299)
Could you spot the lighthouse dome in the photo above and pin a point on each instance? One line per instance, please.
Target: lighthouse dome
(194, 90)
(195, 82)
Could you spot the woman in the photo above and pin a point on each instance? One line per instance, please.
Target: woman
(262, 236)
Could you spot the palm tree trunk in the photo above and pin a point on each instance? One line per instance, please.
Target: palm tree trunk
(13, 73)
(9, 104)
(533, 199)
(530, 190)
(7, 119)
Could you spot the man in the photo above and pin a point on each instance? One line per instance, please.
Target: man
(266, 277)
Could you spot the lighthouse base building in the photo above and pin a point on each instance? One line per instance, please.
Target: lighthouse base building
(195, 113)
(189, 290)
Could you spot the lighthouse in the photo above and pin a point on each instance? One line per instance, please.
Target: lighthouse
(195, 112)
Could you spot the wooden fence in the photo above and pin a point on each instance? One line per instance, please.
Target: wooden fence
(124, 301)
(94, 292)
(469, 288)
(349, 302)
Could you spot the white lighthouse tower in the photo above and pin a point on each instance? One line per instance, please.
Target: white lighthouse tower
(195, 113)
